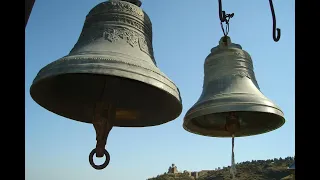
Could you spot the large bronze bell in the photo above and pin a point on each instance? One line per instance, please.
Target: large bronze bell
(231, 103)
(110, 77)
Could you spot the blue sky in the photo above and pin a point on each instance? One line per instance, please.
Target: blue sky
(184, 31)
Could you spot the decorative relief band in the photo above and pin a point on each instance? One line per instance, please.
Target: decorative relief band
(221, 76)
(213, 59)
(225, 61)
(228, 64)
(132, 38)
(105, 19)
(114, 34)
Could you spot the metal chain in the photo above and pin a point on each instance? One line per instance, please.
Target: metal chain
(227, 19)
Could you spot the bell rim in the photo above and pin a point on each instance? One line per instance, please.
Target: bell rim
(190, 127)
(110, 61)
(163, 83)
(178, 113)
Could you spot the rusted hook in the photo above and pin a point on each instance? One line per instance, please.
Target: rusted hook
(276, 31)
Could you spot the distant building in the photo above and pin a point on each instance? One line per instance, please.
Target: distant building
(173, 169)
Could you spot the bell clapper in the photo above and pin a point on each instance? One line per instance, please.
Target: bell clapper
(102, 126)
(232, 126)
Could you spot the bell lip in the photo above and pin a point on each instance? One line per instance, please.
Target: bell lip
(126, 71)
(116, 125)
(188, 125)
(173, 92)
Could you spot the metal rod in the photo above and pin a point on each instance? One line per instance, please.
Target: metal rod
(28, 4)
(276, 32)
(222, 14)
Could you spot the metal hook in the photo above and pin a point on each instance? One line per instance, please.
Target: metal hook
(276, 31)
(222, 14)
(224, 18)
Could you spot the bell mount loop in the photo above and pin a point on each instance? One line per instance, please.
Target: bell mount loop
(225, 41)
(276, 32)
(224, 18)
(103, 126)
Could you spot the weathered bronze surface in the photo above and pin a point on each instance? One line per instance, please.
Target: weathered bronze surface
(231, 101)
(115, 45)
(110, 77)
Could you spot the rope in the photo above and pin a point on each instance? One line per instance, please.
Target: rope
(233, 170)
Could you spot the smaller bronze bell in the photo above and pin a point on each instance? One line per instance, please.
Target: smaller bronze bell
(231, 102)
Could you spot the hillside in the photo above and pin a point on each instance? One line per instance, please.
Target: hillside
(271, 169)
